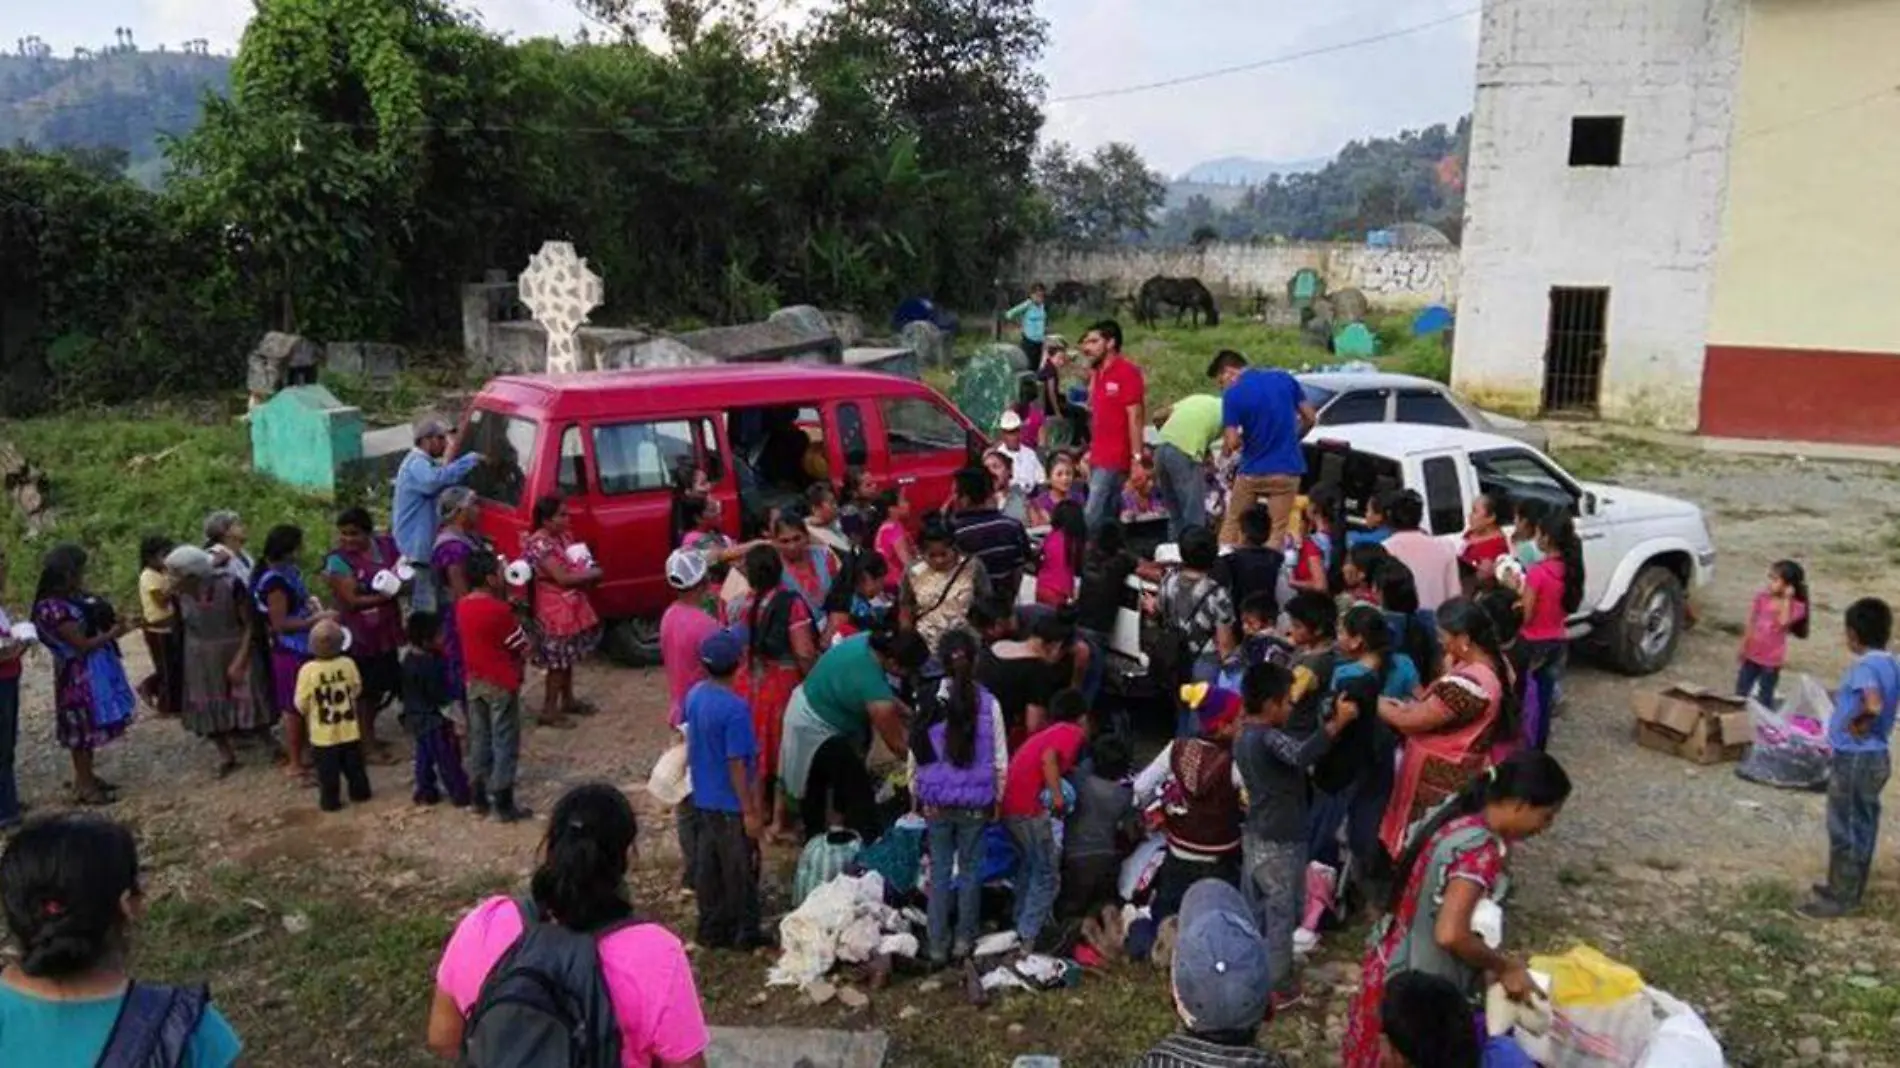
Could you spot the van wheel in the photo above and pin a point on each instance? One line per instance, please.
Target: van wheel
(1647, 626)
(632, 643)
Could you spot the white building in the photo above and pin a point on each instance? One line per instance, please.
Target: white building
(1683, 213)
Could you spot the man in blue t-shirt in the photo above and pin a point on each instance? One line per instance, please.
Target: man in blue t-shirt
(722, 755)
(1858, 733)
(1264, 414)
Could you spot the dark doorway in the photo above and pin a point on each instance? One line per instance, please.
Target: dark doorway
(1573, 354)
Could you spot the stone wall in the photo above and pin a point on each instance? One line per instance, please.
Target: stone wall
(1397, 278)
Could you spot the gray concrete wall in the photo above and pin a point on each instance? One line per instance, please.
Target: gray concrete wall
(1396, 278)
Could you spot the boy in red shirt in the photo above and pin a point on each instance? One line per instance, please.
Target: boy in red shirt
(493, 647)
(1040, 765)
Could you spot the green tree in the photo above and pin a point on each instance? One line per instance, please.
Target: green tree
(1109, 197)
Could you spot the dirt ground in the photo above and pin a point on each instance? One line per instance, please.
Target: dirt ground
(318, 932)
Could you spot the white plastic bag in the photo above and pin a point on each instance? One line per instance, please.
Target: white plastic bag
(1790, 749)
(1683, 1040)
(671, 781)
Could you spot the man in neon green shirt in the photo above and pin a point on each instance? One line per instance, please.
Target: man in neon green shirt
(1034, 313)
(1188, 427)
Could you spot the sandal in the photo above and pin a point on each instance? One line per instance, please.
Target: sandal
(96, 797)
(583, 708)
(225, 768)
(558, 723)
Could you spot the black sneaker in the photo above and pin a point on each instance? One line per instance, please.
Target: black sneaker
(1822, 908)
(478, 803)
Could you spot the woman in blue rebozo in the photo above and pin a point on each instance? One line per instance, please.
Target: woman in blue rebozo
(70, 885)
(282, 599)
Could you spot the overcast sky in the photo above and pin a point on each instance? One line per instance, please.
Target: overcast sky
(1288, 111)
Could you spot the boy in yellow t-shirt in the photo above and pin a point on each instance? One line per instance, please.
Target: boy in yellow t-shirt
(163, 689)
(329, 693)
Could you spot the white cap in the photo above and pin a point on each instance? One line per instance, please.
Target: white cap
(1010, 420)
(685, 569)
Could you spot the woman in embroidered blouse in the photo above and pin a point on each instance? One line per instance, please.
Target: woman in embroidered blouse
(459, 539)
(1448, 733)
(92, 701)
(1456, 860)
(567, 630)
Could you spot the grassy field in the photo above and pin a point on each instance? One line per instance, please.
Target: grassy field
(115, 477)
(1176, 358)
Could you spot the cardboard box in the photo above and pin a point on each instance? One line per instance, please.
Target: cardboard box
(1694, 723)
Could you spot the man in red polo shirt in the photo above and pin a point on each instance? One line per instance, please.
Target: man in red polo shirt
(1118, 411)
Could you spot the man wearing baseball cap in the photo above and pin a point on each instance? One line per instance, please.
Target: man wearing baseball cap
(1026, 471)
(1222, 983)
(421, 477)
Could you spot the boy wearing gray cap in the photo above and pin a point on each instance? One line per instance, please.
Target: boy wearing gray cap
(1222, 983)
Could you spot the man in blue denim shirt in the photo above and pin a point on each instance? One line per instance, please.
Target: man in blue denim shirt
(422, 476)
(1858, 733)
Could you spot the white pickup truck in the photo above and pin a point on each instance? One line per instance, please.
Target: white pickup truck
(1643, 552)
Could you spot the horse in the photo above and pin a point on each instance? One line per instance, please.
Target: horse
(1185, 295)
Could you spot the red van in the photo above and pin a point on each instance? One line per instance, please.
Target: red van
(610, 442)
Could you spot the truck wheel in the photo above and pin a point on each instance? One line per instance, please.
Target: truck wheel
(632, 643)
(1647, 626)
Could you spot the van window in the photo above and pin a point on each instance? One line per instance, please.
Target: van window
(634, 457)
(709, 456)
(1444, 496)
(851, 436)
(571, 478)
(915, 425)
(507, 447)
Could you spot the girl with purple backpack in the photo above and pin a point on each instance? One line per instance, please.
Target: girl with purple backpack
(960, 760)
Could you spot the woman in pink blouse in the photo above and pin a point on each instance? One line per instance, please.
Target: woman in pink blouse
(580, 884)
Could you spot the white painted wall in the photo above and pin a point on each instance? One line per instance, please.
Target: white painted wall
(1397, 278)
(1647, 229)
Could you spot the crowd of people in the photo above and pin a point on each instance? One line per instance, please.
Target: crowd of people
(1361, 714)
(1350, 702)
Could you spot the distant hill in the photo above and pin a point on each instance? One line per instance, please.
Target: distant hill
(119, 98)
(1245, 171)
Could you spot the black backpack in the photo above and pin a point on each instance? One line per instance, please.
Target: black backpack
(545, 1004)
(154, 1026)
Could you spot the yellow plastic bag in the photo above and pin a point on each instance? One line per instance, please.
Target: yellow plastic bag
(1585, 978)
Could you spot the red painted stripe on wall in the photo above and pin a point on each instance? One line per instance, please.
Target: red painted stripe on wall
(1849, 398)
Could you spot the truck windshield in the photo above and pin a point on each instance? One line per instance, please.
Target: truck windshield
(507, 447)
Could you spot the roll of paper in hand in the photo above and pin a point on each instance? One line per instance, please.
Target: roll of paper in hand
(517, 573)
(386, 583)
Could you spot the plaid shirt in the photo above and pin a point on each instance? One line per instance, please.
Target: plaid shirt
(1199, 607)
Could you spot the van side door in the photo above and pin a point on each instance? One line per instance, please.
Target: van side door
(630, 505)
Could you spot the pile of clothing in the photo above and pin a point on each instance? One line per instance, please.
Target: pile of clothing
(844, 920)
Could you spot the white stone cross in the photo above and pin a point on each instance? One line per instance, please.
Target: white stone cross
(561, 291)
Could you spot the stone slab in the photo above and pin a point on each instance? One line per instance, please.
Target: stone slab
(773, 1047)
